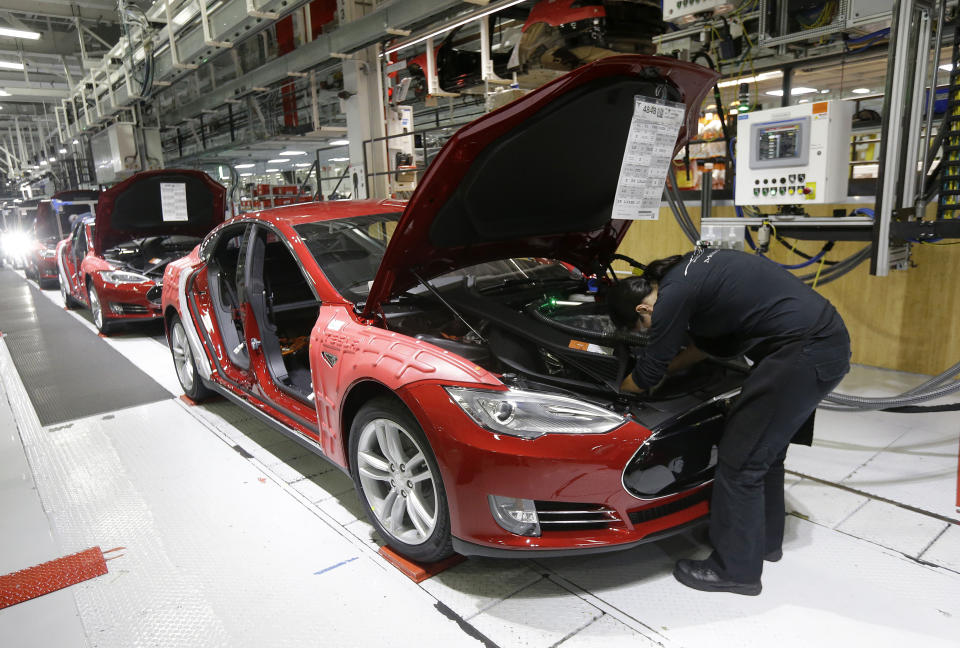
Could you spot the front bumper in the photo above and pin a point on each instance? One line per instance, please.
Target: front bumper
(130, 301)
(561, 473)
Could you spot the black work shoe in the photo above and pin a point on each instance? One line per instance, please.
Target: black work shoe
(700, 576)
(774, 556)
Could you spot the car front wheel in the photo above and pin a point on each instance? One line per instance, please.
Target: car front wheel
(99, 318)
(184, 363)
(398, 481)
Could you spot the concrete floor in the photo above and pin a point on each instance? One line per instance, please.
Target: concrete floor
(236, 536)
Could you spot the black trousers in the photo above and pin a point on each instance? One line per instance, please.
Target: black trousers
(747, 509)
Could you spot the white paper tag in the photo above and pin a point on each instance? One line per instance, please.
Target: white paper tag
(650, 142)
(173, 201)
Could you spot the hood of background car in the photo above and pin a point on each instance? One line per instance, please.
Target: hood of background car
(46, 224)
(136, 207)
(535, 178)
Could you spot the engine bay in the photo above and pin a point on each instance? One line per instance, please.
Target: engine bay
(553, 336)
(151, 254)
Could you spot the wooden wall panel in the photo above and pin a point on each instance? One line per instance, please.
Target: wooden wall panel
(909, 320)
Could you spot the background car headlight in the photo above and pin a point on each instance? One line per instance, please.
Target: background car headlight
(122, 277)
(529, 414)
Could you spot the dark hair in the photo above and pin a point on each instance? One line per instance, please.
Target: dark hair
(622, 298)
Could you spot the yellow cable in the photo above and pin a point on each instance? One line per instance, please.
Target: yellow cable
(819, 268)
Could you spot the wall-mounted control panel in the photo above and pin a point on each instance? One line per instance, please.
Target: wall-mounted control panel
(794, 155)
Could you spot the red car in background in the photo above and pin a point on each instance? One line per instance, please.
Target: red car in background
(54, 222)
(450, 353)
(114, 262)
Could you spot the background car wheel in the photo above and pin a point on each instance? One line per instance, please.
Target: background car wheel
(68, 301)
(398, 481)
(99, 318)
(184, 363)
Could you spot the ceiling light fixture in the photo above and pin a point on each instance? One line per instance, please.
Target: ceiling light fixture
(278, 161)
(4, 93)
(824, 92)
(763, 76)
(340, 142)
(793, 92)
(271, 170)
(339, 159)
(19, 33)
(245, 175)
(303, 164)
(947, 67)
(442, 30)
(10, 65)
(63, 151)
(861, 91)
(293, 153)
(249, 165)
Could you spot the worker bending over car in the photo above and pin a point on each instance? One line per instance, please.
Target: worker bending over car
(730, 303)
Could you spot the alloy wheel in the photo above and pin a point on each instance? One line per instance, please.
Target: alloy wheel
(95, 306)
(182, 356)
(397, 481)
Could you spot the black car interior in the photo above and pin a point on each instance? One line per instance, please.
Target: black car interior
(223, 280)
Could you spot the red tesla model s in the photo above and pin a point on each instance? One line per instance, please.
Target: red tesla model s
(113, 262)
(452, 354)
(55, 218)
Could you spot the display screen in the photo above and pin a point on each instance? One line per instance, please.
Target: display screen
(779, 142)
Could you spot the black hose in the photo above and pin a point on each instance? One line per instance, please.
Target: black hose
(616, 338)
(804, 255)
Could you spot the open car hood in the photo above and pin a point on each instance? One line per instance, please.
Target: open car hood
(536, 178)
(135, 207)
(47, 212)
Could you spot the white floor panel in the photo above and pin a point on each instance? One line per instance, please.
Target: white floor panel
(214, 556)
(893, 527)
(605, 632)
(473, 586)
(826, 505)
(539, 616)
(945, 550)
(829, 590)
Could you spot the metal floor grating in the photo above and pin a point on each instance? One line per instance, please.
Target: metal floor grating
(68, 372)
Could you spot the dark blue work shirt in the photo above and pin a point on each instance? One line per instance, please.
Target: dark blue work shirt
(729, 303)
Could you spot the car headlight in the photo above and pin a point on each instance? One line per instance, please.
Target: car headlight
(123, 277)
(530, 415)
(47, 253)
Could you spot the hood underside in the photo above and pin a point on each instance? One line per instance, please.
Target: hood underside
(166, 202)
(537, 177)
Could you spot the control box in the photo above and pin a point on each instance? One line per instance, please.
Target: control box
(683, 12)
(794, 155)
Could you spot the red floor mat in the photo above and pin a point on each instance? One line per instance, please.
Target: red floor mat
(51, 576)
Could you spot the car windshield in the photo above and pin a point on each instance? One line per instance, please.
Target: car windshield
(349, 252)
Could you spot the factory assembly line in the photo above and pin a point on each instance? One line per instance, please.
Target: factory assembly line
(515, 323)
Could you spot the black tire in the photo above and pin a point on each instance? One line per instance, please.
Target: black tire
(435, 545)
(184, 362)
(100, 320)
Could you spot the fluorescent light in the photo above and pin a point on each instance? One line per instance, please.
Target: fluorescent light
(10, 65)
(244, 166)
(43, 162)
(303, 164)
(278, 161)
(294, 153)
(824, 92)
(4, 93)
(947, 67)
(53, 159)
(763, 76)
(19, 33)
(245, 175)
(63, 151)
(861, 91)
(340, 159)
(339, 142)
(793, 91)
(442, 30)
(76, 141)
(271, 170)
(804, 101)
